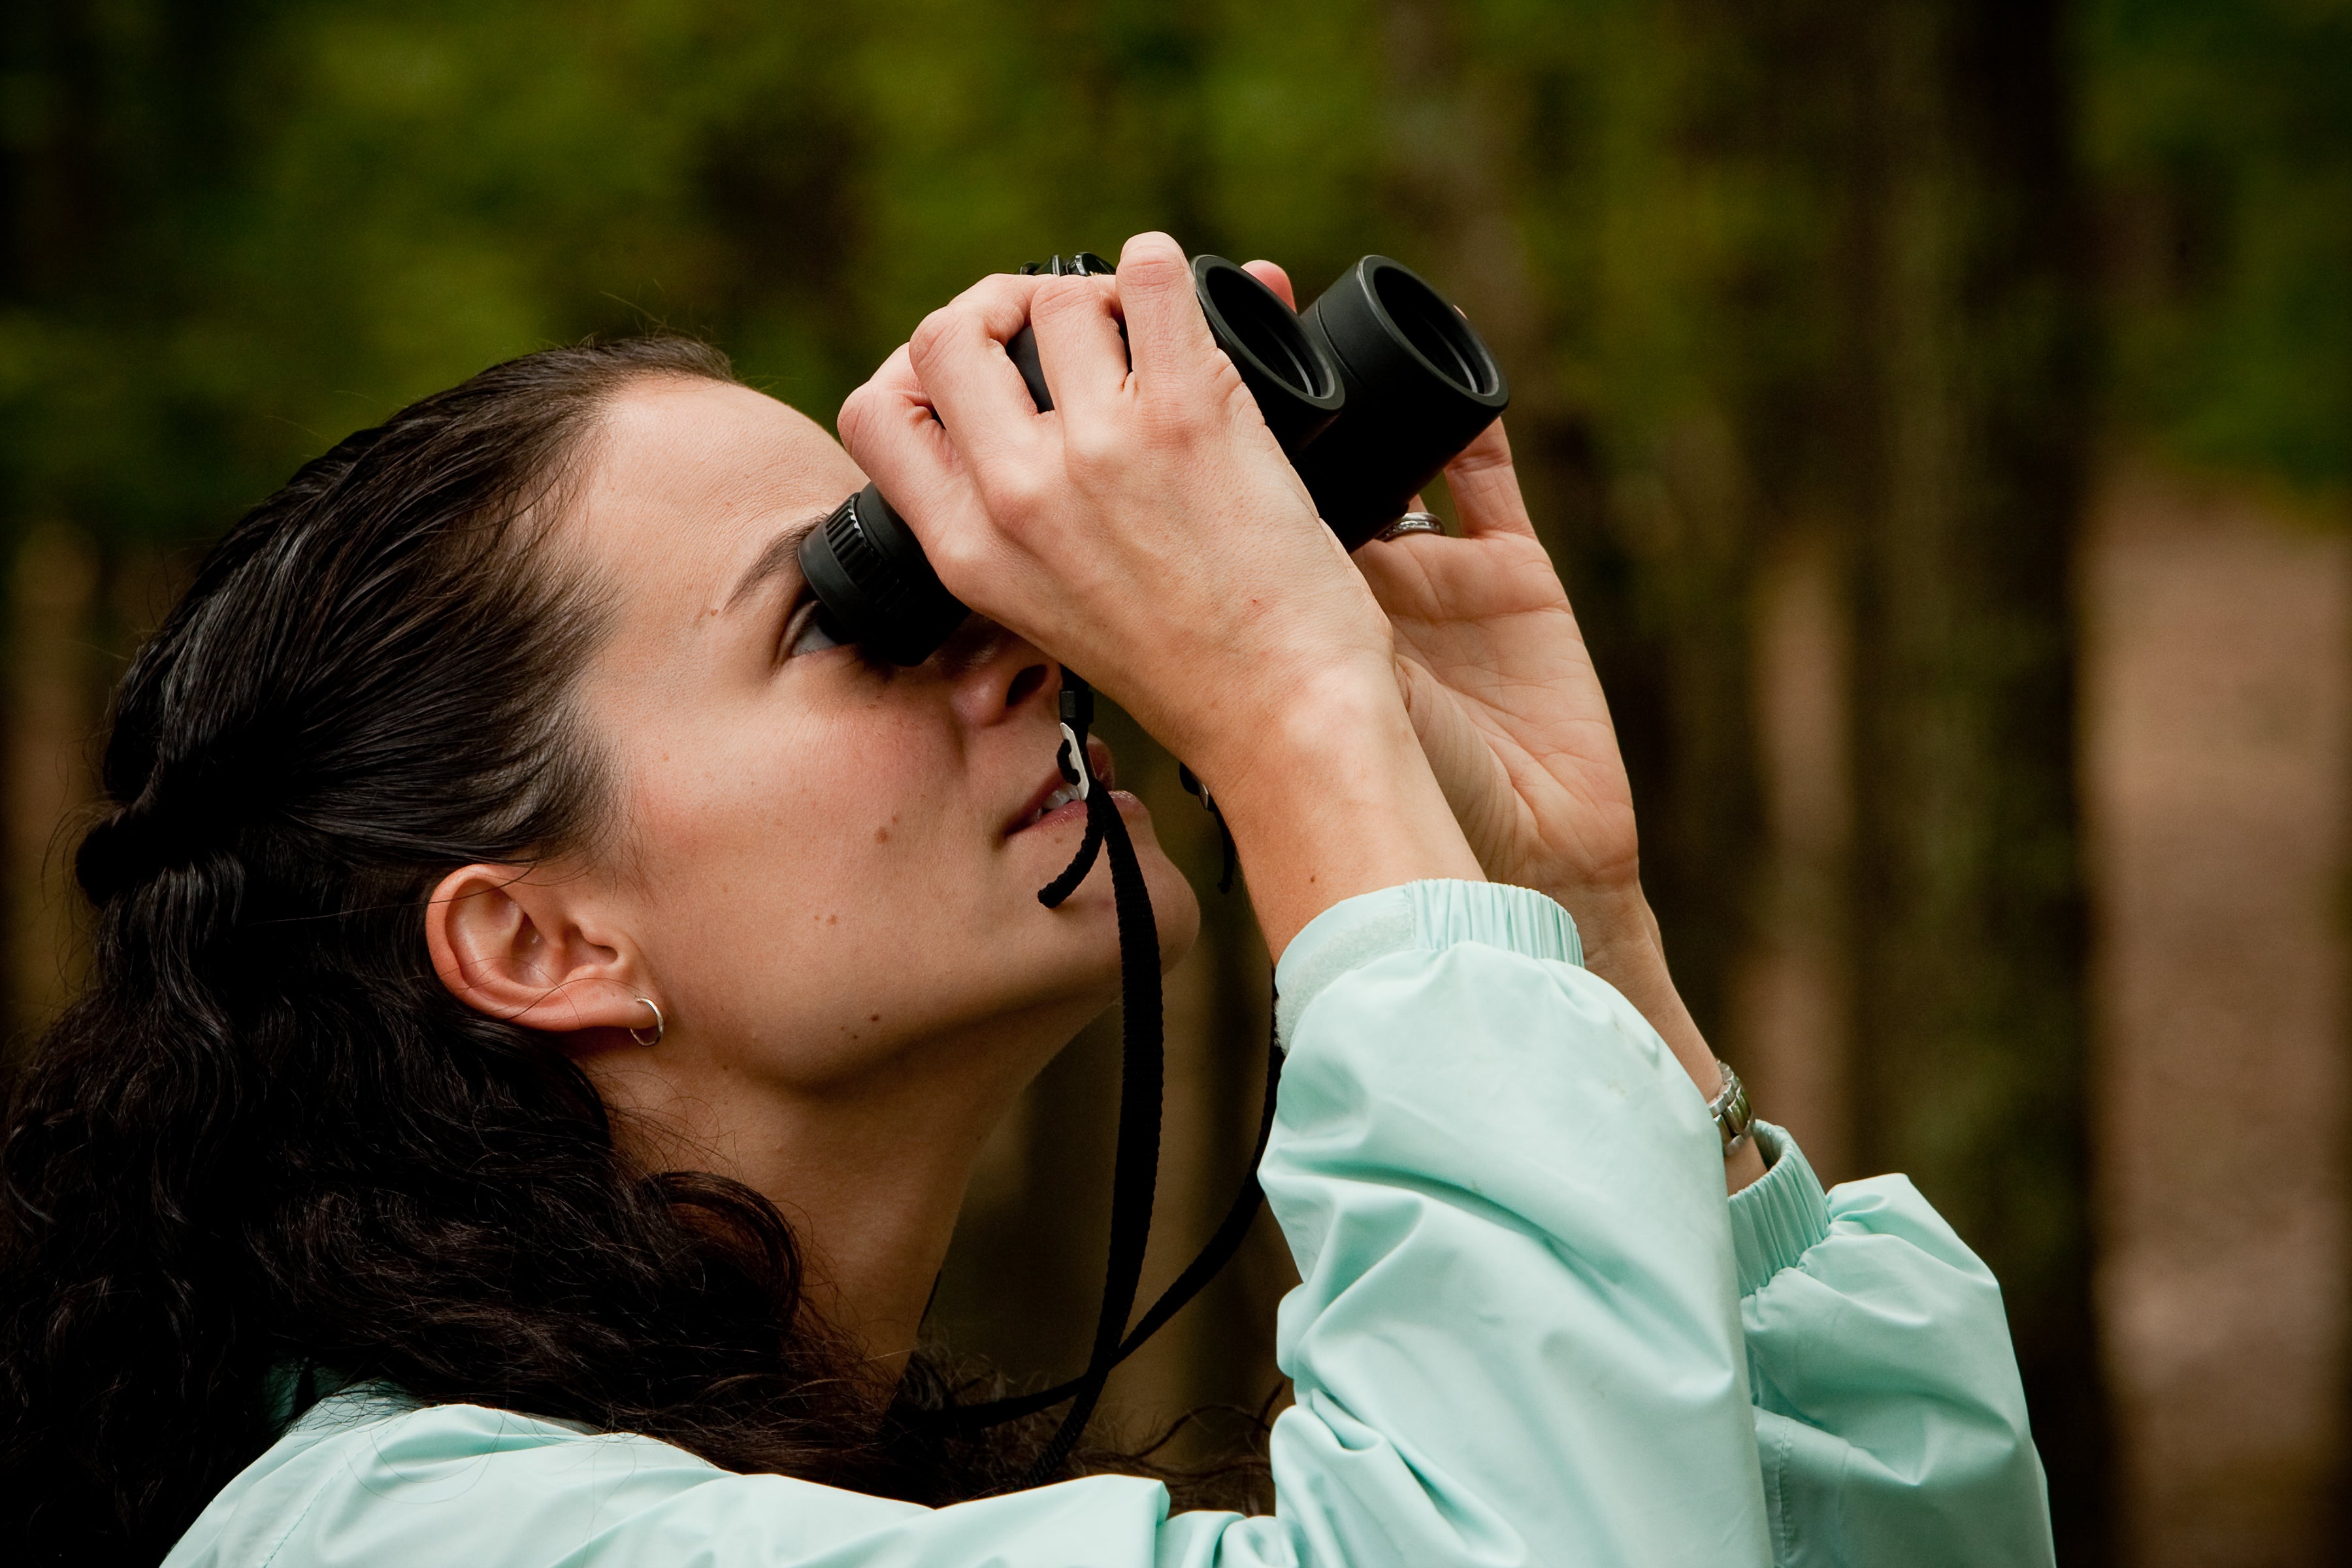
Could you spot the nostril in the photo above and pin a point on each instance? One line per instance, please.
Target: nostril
(1025, 685)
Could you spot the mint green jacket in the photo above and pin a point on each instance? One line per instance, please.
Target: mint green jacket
(1530, 1331)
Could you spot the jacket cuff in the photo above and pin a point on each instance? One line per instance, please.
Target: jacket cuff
(1777, 1218)
(1429, 916)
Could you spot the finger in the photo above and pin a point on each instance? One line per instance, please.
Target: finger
(1176, 361)
(1487, 487)
(1372, 549)
(1273, 278)
(897, 378)
(892, 408)
(887, 427)
(1079, 345)
(957, 354)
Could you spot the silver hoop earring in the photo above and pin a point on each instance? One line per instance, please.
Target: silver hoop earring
(638, 1035)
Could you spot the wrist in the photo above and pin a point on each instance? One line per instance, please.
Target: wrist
(1334, 799)
(1293, 721)
(1332, 735)
(1622, 946)
(1619, 932)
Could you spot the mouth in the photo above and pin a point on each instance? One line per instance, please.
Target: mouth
(1057, 799)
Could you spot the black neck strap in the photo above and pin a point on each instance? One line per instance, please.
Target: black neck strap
(1142, 1065)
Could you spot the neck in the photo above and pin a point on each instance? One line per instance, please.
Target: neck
(873, 1191)
(871, 1173)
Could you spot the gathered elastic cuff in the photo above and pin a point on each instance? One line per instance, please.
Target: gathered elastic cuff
(1778, 1217)
(1516, 919)
(1430, 915)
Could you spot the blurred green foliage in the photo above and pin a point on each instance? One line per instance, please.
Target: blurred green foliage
(244, 227)
(2221, 135)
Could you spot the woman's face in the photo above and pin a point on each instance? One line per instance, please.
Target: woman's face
(826, 865)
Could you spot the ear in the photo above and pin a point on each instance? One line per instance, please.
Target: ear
(531, 954)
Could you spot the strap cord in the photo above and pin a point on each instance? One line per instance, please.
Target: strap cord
(1135, 1174)
(1142, 1070)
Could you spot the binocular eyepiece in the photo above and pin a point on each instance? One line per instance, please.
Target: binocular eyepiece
(1371, 390)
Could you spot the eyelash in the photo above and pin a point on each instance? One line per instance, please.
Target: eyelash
(806, 618)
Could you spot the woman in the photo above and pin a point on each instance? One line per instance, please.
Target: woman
(549, 999)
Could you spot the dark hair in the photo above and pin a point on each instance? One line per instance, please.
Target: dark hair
(267, 1140)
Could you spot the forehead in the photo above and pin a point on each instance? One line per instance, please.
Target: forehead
(689, 479)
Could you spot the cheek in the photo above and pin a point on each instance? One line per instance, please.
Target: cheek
(790, 823)
(816, 895)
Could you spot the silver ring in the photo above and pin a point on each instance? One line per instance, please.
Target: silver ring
(1412, 523)
(659, 1027)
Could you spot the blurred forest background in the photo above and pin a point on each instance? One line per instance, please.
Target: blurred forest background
(1941, 413)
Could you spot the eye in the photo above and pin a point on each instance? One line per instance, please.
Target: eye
(810, 629)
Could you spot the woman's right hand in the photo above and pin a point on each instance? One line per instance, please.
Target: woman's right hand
(1140, 529)
(1148, 531)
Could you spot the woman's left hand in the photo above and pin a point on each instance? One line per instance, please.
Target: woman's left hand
(1510, 712)
(1504, 696)
(1502, 691)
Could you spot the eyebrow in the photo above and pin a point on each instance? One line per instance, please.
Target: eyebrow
(782, 551)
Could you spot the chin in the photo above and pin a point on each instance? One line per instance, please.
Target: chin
(1175, 908)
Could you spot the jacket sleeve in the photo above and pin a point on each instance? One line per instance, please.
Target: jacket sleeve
(1891, 1424)
(1517, 1339)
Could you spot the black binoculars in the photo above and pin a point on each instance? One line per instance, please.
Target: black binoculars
(1371, 390)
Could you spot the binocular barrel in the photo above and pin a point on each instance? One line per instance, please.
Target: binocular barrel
(1371, 390)
(1419, 382)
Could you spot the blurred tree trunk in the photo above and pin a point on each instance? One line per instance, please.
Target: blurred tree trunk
(52, 709)
(1968, 422)
(123, 133)
(49, 221)
(1896, 179)
(1657, 561)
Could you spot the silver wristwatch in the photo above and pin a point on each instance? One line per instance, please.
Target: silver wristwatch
(1730, 1109)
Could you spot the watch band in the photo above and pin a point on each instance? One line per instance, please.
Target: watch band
(1730, 1109)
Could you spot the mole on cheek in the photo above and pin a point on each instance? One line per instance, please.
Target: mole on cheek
(881, 835)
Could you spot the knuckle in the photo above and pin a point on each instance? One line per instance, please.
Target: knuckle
(932, 333)
(956, 556)
(1014, 493)
(1179, 422)
(1155, 267)
(977, 293)
(1003, 288)
(1091, 447)
(999, 303)
(1057, 295)
(857, 415)
(1069, 296)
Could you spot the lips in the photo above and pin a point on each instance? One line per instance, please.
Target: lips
(1055, 794)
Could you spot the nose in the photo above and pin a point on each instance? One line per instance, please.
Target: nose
(992, 675)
